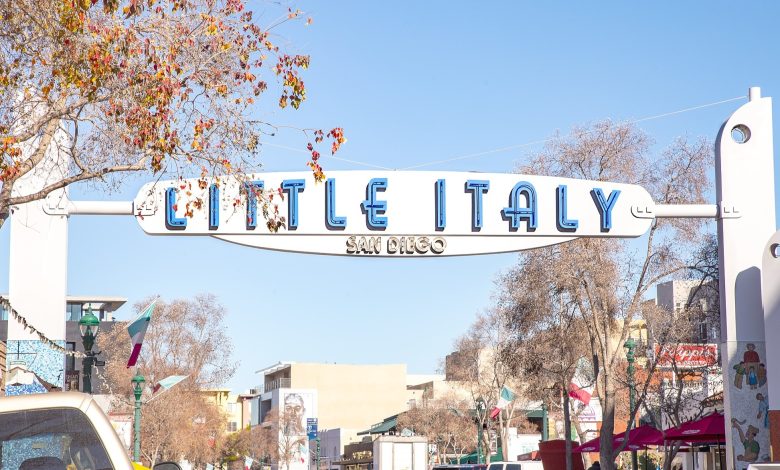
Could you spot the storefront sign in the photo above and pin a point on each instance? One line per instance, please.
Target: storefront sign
(686, 356)
(360, 213)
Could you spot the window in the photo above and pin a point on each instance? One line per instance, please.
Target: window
(232, 426)
(61, 438)
(3, 313)
(232, 407)
(73, 311)
(70, 361)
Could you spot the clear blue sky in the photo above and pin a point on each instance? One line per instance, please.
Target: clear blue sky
(413, 82)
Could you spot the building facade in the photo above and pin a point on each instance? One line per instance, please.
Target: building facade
(230, 405)
(679, 294)
(76, 306)
(346, 395)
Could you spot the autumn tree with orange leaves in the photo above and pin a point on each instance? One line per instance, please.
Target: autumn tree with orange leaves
(118, 86)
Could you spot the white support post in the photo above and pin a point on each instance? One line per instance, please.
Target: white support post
(770, 291)
(37, 277)
(746, 194)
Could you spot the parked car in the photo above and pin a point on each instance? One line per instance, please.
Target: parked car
(521, 465)
(59, 431)
(465, 466)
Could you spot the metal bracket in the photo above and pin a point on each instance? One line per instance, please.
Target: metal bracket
(56, 203)
(728, 211)
(148, 207)
(145, 209)
(643, 212)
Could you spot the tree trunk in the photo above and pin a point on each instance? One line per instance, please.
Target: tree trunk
(581, 435)
(504, 435)
(567, 431)
(607, 396)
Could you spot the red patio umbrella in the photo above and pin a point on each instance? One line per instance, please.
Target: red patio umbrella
(638, 439)
(711, 428)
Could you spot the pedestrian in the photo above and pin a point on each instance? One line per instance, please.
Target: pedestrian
(596, 466)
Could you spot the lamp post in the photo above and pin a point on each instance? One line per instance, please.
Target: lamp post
(545, 431)
(89, 325)
(630, 345)
(138, 388)
(480, 404)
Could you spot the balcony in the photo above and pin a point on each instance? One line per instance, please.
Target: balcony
(277, 383)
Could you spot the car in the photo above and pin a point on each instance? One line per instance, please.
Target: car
(58, 431)
(521, 465)
(465, 466)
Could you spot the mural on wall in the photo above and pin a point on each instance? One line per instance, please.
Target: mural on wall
(33, 367)
(749, 425)
(296, 408)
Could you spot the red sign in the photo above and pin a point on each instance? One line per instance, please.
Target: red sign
(686, 355)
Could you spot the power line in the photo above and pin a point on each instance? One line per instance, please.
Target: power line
(510, 147)
(543, 141)
(293, 149)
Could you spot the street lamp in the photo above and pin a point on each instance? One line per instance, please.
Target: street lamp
(630, 345)
(480, 405)
(138, 388)
(89, 325)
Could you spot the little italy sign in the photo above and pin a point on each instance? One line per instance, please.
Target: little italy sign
(397, 213)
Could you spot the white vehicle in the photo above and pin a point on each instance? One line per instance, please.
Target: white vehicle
(58, 431)
(521, 465)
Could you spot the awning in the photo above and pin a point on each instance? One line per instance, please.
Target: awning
(638, 439)
(385, 426)
(711, 428)
(472, 457)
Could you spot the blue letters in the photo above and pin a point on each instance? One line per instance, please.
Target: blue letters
(171, 221)
(331, 220)
(251, 203)
(477, 188)
(371, 206)
(441, 205)
(564, 224)
(514, 213)
(213, 207)
(605, 206)
(293, 187)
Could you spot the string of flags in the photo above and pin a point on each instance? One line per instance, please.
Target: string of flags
(43, 339)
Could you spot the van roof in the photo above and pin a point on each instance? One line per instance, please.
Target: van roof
(39, 401)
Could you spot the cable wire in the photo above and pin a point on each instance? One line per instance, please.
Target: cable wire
(293, 149)
(543, 141)
(507, 148)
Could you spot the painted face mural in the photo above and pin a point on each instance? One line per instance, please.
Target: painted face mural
(295, 409)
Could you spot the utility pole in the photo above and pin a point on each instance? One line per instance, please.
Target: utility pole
(630, 345)
(138, 388)
(480, 408)
(318, 452)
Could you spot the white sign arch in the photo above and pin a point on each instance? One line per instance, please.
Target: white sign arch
(411, 214)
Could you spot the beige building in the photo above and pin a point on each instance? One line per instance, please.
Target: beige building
(231, 405)
(348, 396)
